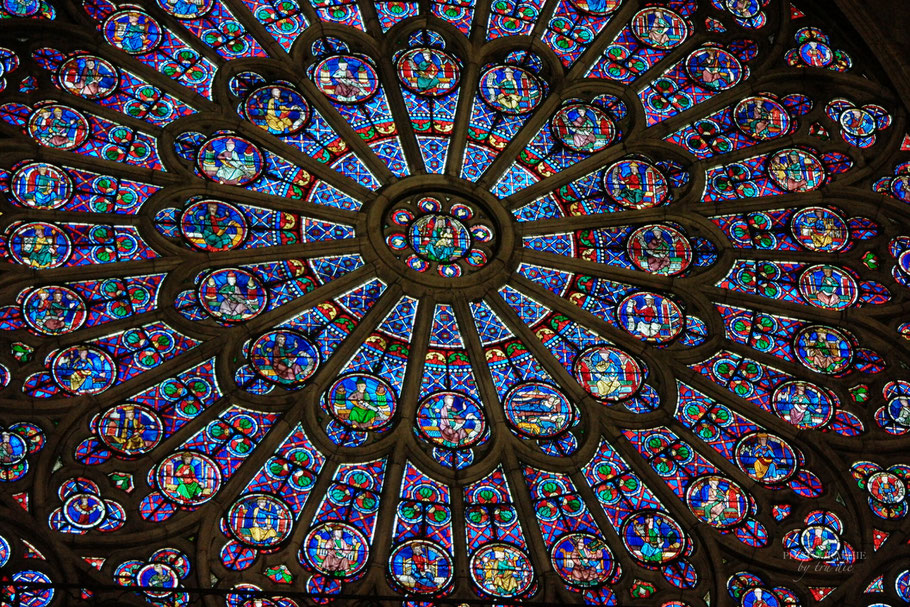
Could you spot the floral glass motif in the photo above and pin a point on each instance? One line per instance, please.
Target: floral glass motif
(336, 302)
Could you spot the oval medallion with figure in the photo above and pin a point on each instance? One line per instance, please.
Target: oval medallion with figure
(608, 373)
(260, 520)
(285, 357)
(510, 89)
(428, 71)
(824, 349)
(40, 185)
(450, 419)
(821, 230)
(762, 118)
(211, 225)
(660, 250)
(659, 28)
(420, 567)
(84, 370)
(335, 549)
(361, 401)
(538, 410)
(130, 429)
(635, 184)
(653, 538)
(502, 570)
(58, 126)
(583, 128)
(346, 78)
(277, 108)
(803, 404)
(650, 317)
(188, 478)
(88, 76)
(54, 310)
(582, 560)
(766, 458)
(230, 160)
(232, 295)
(718, 501)
(132, 31)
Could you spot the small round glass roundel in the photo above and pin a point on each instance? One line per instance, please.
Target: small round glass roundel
(346, 78)
(278, 109)
(132, 31)
(635, 184)
(361, 401)
(15, 446)
(285, 357)
(211, 225)
(88, 76)
(660, 250)
(130, 429)
(762, 118)
(54, 310)
(718, 501)
(450, 419)
(608, 373)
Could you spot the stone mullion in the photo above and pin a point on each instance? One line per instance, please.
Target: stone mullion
(587, 404)
(295, 156)
(742, 406)
(330, 290)
(343, 128)
(257, 30)
(459, 136)
(551, 585)
(29, 149)
(583, 266)
(608, 220)
(620, 19)
(306, 209)
(87, 272)
(400, 114)
(517, 144)
(591, 164)
(775, 305)
(492, 411)
(303, 250)
(540, 26)
(480, 23)
(66, 40)
(546, 358)
(586, 319)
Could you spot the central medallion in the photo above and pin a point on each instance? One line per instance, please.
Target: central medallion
(445, 236)
(442, 234)
(442, 239)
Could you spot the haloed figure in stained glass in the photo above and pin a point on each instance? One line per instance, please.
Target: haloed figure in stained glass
(346, 84)
(280, 117)
(441, 299)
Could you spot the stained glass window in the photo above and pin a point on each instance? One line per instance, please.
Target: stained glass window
(442, 302)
